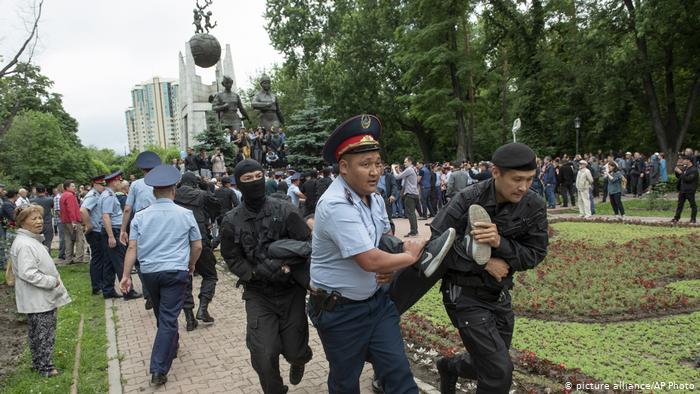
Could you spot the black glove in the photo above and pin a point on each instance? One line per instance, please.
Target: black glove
(271, 270)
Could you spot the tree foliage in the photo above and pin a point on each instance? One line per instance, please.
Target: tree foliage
(307, 133)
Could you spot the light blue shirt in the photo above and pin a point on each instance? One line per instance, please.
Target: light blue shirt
(109, 204)
(163, 233)
(91, 202)
(140, 195)
(292, 192)
(346, 226)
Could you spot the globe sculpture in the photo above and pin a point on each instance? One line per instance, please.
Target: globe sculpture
(205, 49)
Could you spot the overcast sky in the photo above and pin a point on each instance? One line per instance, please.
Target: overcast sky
(96, 51)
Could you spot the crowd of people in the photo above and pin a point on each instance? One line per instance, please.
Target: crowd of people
(327, 232)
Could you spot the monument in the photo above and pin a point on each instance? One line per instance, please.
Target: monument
(265, 102)
(227, 104)
(204, 46)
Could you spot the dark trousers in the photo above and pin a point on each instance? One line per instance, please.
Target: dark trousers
(113, 263)
(97, 259)
(167, 290)
(276, 325)
(690, 197)
(42, 335)
(369, 330)
(551, 197)
(616, 202)
(568, 191)
(410, 201)
(633, 184)
(425, 202)
(605, 188)
(486, 329)
(47, 232)
(206, 268)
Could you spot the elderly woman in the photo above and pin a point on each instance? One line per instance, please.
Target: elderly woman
(38, 287)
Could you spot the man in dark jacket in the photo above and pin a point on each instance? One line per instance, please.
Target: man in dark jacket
(567, 180)
(687, 174)
(45, 202)
(205, 209)
(323, 183)
(191, 161)
(308, 188)
(391, 191)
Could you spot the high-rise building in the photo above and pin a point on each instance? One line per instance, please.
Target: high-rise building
(195, 96)
(153, 118)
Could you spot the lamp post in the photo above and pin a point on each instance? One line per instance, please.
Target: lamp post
(577, 124)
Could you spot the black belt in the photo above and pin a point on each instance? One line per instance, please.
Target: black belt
(326, 301)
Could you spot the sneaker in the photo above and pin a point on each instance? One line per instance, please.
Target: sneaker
(411, 234)
(132, 295)
(435, 251)
(296, 373)
(480, 252)
(448, 380)
(159, 379)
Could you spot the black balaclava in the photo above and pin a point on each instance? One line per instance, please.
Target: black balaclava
(189, 179)
(253, 192)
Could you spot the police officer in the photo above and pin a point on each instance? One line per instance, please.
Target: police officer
(111, 224)
(508, 234)
(92, 221)
(166, 240)
(274, 303)
(205, 208)
(140, 197)
(355, 318)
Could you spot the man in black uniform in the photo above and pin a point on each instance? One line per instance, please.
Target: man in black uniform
(228, 200)
(476, 296)
(308, 188)
(275, 305)
(205, 208)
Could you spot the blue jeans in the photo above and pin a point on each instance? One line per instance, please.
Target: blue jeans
(426, 206)
(167, 290)
(551, 198)
(365, 331)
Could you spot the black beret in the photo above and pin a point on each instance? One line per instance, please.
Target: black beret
(164, 175)
(515, 156)
(147, 160)
(357, 134)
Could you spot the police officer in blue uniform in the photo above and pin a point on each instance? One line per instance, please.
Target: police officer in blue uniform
(355, 318)
(111, 223)
(92, 219)
(140, 197)
(166, 240)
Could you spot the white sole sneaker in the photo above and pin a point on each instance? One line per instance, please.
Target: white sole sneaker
(433, 258)
(480, 252)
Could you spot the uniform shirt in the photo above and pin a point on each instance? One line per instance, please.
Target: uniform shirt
(292, 193)
(140, 195)
(346, 226)
(91, 202)
(109, 204)
(163, 233)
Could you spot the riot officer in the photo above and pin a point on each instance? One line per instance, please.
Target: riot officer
(205, 208)
(502, 228)
(274, 303)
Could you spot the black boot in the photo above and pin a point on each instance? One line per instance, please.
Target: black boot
(203, 312)
(448, 377)
(191, 321)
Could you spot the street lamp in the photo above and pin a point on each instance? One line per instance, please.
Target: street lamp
(577, 124)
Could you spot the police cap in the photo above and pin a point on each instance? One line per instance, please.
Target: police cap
(357, 134)
(98, 179)
(162, 176)
(114, 175)
(147, 160)
(515, 156)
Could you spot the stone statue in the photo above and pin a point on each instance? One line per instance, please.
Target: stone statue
(207, 22)
(266, 103)
(227, 104)
(197, 22)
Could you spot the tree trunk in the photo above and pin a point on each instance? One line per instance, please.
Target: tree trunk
(457, 94)
(504, 102)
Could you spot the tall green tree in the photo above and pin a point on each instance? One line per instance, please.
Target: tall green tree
(307, 132)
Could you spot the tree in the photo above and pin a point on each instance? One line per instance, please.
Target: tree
(307, 133)
(35, 149)
(213, 137)
(27, 46)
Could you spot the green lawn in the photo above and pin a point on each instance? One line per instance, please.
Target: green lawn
(639, 207)
(93, 359)
(647, 350)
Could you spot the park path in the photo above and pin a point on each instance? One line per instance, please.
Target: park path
(212, 359)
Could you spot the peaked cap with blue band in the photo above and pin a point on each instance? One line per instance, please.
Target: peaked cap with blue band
(147, 160)
(357, 134)
(164, 175)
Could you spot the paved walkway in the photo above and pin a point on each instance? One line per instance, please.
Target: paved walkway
(212, 359)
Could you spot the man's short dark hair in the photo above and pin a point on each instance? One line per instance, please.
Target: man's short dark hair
(409, 158)
(11, 193)
(66, 183)
(326, 172)
(40, 188)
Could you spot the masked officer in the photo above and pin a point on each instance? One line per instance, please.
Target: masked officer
(502, 225)
(140, 197)
(355, 318)
(111, 223)
(205, 208)
(166, 240)
(92, 220)
(274, 304)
